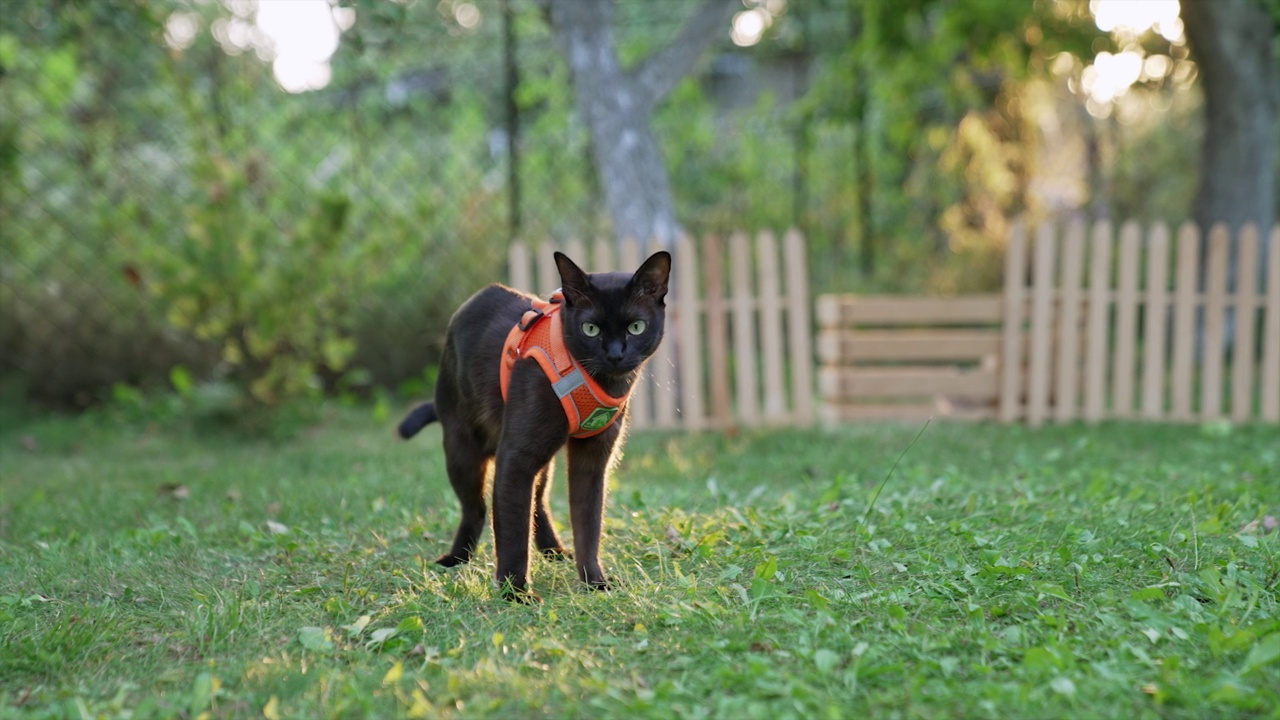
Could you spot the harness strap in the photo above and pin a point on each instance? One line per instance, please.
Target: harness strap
(540, 335)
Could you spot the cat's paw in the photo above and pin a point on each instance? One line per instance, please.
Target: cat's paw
(521, 594)
(604, 585)
(593, 575)
(556, 553)
(450, 560)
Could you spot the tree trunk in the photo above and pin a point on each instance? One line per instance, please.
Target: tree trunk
(617, 105)
(1233, 42)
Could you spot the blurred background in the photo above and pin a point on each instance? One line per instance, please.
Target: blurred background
(275, 198)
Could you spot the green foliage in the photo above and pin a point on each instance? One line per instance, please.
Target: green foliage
(1002, 572)
(272, 299)
(68, 166)
(942, 99)
(164, 208)
(1147, 147)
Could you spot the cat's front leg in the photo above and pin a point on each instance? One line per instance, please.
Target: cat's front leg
(513, 485)
(533, 430)
(589, 461)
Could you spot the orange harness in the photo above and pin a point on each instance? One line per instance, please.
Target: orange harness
(540, 335)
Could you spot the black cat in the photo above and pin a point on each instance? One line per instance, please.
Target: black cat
(611, 323)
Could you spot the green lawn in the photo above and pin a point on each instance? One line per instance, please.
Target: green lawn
(1071, 571)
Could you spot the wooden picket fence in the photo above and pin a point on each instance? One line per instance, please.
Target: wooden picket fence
(1138, 341)
(1135, 339)
(735, 356)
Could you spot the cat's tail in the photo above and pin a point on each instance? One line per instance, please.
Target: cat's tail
(418, 418)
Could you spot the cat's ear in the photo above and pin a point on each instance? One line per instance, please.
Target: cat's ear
(573, 281)
(651, 278)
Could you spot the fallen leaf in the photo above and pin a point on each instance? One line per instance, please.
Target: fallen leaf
(380, 636)
(271, 711)
(277, 528)
(1267, 525)
(357, 627)
(315, 639)
(131, 275)
(177, 491)
(421, 707)
(825, 660)
(674, 537)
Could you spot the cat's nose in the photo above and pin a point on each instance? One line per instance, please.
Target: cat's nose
(613, 352)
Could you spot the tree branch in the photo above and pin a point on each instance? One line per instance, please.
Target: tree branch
(657, 74)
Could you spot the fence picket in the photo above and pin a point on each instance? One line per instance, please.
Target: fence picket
(640, 407)
(1271, 333)
(1067, 399)
(744, 331)
(548, 277)
(1215, 307)
(689, 335)
(1042, 291)
(1154, 316)
(577, 252)
(1246, 311)
(799, 329)
(662, 369)
(717, 333)
(1122, 366)
(1184, 321)
(1095, 372)
(770, 311)
(1011, 344)
(602, 255)
(520, 271)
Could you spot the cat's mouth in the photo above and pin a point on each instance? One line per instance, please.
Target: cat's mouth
(597, 367)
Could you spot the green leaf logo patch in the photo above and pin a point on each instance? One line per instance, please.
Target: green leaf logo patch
(599, 418)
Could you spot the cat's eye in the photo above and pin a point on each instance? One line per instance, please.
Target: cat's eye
(637, 327)
(590, 329)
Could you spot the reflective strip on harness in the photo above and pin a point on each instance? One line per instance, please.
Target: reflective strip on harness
(569, 383)
(540, 335)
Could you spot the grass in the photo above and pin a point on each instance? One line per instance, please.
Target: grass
(1003, 572)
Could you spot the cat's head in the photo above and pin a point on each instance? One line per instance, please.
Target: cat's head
(613, 321)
